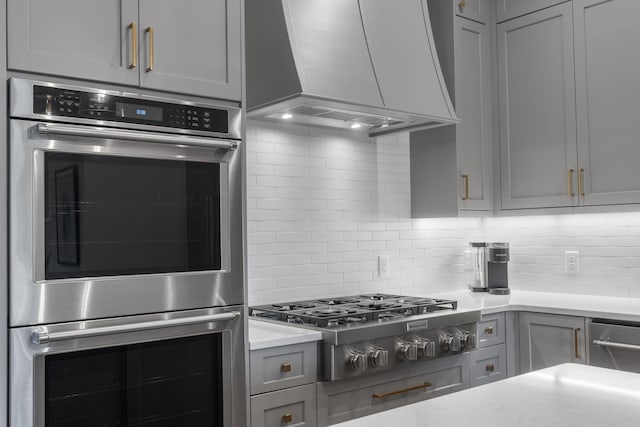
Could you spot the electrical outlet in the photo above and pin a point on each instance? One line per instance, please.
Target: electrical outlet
(572, 262)
(383, 266)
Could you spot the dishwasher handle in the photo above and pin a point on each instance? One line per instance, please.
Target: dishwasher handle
(609, 344)
(131, 135)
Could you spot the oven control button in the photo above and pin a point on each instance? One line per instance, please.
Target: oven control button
(357, 360)
(378, 357)
(450, 343)
(408, 350)
(426, 348)
(467, 340)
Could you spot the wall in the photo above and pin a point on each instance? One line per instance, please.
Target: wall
(323, 205)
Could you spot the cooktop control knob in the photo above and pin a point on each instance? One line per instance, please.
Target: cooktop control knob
(467, 340)
(426, 348)
(450, 343)
(408, 350)
(357, 360)
(378, 357)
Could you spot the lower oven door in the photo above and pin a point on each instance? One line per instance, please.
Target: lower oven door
(615, 345)
(172, 369)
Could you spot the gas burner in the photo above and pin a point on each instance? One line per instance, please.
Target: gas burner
(379, 297)
(416, 300)
(379, 306)
(383, 317)
(338, 301)
(292, 306)
(330, 312)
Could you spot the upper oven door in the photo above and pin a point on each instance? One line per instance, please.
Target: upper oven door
(111, 222)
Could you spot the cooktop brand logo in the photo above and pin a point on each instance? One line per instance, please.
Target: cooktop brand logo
(418, 325)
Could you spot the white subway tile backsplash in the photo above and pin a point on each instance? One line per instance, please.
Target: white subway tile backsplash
(322, 205)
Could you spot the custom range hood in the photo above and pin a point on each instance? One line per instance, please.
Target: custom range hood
(360, 64)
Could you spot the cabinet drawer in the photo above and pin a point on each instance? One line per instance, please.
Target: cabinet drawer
(281, 367)
(509, 9)
(294, 407)
(491, 330)
(342, 401)
(488, 364)
(477, 10)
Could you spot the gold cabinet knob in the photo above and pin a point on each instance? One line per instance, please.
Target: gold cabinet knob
(285, 367)
(462, 4)
(287, 418)
(488, 330)
(490, 368)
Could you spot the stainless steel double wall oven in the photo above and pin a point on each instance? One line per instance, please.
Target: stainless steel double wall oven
(126, 260)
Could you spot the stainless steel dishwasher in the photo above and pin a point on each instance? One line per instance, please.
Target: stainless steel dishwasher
(615, 344)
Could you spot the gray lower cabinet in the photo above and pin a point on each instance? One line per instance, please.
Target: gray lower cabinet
(538, 148)
(607, 58)
(291, 407)
(191, 46)
(508, 9)
(491, 330)
(451, 167)
(340, 401)
(488, 364)
(549, 340)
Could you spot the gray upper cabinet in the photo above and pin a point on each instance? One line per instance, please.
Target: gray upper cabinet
(196, 46)
(538, 152)
(90, 39)
(608, 99)
(508, 9)
(410, 88)
(548, 340)
(451, 167)
(477, 10)
(196, 43)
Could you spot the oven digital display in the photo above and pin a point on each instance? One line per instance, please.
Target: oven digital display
(137, 111)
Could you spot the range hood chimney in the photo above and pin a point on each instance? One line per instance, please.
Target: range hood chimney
(361, 64)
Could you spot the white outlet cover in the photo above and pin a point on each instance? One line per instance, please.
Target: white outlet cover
(383, 266)
(572, 262)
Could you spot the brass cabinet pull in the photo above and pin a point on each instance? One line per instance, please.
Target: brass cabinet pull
(134, 45)
(488, 330)
(466, 187)
(576, 342)
(570, 183)
(462, 4)
(149, 30)
(490, 368)
(404, 390)
(285, 367)
(581, 182)
(287, 418)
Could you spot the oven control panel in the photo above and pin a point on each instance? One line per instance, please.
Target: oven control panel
(99, 105)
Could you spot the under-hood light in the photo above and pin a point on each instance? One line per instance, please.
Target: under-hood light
(286, 116)
(356, 125)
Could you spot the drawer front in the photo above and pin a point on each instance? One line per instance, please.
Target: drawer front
(341, 401)
(509, 9)
(488, 365)
(293, 407)
(477, 10)
(491, 330)
(281, 367)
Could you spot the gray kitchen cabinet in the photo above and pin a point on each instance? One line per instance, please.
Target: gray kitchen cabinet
(607, 58)
(292, 407)
(509, 9)
(491, 330)
(451, 167)
(488, 365)
(538, 148)
(191, 46)
(477, 10)
(90, 39)
(548, 340)
(196, 47)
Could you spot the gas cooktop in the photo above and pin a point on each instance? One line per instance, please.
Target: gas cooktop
(347, 311)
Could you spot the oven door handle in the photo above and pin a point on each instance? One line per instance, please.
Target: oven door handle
(131, 135)
(42, 336)
(622, 346)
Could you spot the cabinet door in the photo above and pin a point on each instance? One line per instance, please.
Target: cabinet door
(537, 110)
(196, 47)
(292, 407)
(608, 99)
(86, 39)
(473, 106)
(548, 340)
(478, 10)
(508, 9)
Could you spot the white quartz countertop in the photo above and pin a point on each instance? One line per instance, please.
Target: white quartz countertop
(566, 395)
(266, 335)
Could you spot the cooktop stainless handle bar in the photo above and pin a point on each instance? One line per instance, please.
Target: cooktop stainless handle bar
(616, 345)
(131, 135)
(42, 336)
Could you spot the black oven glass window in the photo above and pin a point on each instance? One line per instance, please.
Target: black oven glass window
(159, 384)
(111, 215)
